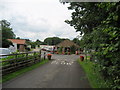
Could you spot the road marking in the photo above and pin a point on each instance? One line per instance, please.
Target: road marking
(71, 62)
(62, 62)
(52, 62)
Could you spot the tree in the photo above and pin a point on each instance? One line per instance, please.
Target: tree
(99, 24)
(52, 40)
(18, 38)
(76, 40)
(7, 33)
(38, 42)
(86, 16)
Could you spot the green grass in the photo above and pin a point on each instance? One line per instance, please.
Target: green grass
(22, 71)
(93, 75)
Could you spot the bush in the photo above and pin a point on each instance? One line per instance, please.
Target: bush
(99, 25)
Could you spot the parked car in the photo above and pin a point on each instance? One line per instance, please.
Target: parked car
(4, 51)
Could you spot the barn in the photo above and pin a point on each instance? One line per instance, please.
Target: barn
(19, 44)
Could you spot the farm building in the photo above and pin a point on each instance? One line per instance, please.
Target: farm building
(19, 44)
(67, 45)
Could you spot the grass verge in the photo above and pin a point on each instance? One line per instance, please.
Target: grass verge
(93, 75)
(21, 71)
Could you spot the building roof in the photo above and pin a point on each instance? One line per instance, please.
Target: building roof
(18, 41)
(67, 43)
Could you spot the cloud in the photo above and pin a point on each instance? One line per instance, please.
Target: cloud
(37, 19)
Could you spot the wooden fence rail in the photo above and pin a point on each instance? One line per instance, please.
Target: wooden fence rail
(19, 61)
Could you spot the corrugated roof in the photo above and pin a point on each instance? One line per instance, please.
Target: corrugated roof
(67, 43)
(18, 41)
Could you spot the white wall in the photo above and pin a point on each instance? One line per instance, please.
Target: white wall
(15, 46)
(46, 46)
(29, 46)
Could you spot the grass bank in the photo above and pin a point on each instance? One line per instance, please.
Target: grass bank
(93, 75)
(21, 71)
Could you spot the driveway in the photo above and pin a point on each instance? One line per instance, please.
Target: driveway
(61, 72)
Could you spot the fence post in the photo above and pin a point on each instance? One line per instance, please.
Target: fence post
(15, 62)
(44, 56)
(34, 57)
(27, 58)
(40, 56)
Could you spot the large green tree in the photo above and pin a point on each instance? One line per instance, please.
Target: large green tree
(7, 33)
(86, 16)
(38, 42)
(34, 43)
(99, 24)
(52, 40)
(76, 40)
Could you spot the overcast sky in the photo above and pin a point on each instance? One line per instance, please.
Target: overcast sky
(37, 19)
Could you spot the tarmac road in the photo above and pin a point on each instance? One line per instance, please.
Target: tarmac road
(61, 72)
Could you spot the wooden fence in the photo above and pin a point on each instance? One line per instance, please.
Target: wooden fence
(19, 61)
